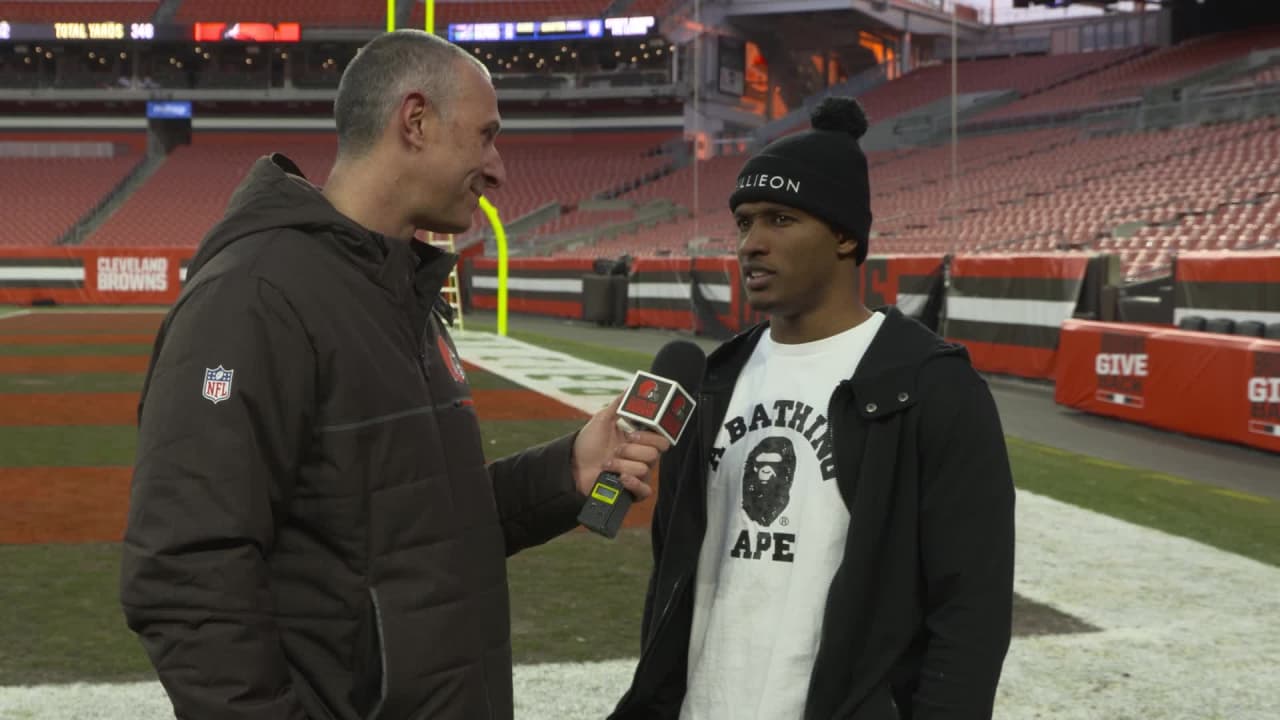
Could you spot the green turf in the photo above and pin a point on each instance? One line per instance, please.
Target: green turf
(67, 446)
(483, 380)
(28, 333)
(62, 619)
(114, 446)
(1174, 505)
(579, 597)
(72, 383)
(504, 437)
(62, 350)
(75, 309)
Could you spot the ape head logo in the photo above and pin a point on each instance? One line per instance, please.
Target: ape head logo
(766, 479)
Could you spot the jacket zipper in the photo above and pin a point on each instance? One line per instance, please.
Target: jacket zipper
(420, 352)
(831, 424)
(658, 625)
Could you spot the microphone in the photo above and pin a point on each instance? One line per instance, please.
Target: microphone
(662, 401)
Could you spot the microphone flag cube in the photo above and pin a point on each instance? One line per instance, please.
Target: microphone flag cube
(658, 404)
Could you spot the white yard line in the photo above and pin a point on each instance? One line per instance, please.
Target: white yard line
(1187, 631)
(574, 382)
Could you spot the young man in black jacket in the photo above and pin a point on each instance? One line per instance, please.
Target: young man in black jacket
(314, 531)
(836, 541)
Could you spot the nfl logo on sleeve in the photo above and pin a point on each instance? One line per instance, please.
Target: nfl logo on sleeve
(217, 384)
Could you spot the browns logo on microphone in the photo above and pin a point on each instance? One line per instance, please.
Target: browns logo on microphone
(657, 404)
(644, 399)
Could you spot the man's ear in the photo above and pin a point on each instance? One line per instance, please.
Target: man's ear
(846, 245)
(415, 121)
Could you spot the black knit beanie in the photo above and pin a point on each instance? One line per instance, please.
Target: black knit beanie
(821, 171)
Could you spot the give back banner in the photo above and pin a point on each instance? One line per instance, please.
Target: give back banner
(1224, 387)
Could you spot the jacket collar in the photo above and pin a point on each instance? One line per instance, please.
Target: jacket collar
(886, 378)
(410, 267)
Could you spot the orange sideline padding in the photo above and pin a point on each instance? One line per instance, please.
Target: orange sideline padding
(91, 276)
(537, 286)
(658, 309)
(1007, 309)
(1223, 387)
(1235, 266)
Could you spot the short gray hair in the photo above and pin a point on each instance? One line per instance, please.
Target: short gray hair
(380, 75)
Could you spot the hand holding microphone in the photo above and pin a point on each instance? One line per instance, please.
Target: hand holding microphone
(660, 401)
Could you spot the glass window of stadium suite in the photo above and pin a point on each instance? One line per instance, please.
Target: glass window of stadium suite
(125, 65)
(572, 64)
(320, 65)
(540, 64)
(24, 66)
(213, 66)
(76, 65)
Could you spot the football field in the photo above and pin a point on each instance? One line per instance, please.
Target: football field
(1140, 595)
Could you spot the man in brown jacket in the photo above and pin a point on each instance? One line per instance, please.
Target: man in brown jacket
(313, 530)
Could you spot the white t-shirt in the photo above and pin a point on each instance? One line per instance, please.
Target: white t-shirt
(776, 528)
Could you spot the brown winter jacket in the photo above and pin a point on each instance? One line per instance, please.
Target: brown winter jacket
(313, 531)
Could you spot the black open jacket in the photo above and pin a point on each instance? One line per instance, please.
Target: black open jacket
(917, 620)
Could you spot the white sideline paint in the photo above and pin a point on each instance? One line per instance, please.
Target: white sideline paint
(1188, 632)
(85, 310)
(574, 382)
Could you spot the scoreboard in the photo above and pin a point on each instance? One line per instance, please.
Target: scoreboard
(580, 29)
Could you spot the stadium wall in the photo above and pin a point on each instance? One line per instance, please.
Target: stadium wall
(1013, 312)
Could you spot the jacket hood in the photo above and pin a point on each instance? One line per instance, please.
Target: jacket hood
(276, 195)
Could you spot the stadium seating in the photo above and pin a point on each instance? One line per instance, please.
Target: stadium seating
(1143, 196)
(37, 11)
(189, 193)
(45, 197)
(171, 209)
(1125, 82)
(1024, 74)
(330, 13)
(568, 167)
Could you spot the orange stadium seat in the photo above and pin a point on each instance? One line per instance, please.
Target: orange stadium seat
(1126, 81)
(37, 11)
(173, 209)
(1023, 74)
(189, 193)
(45, 197)
(1194, 188)
(331, 13)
